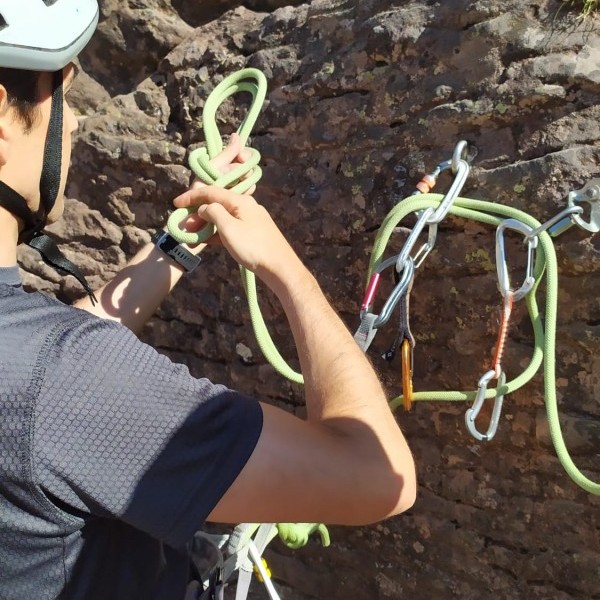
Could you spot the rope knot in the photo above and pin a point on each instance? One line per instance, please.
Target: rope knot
(243, 176)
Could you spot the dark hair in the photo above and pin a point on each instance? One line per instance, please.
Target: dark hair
(22, 88)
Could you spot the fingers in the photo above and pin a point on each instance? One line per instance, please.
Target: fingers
(218, 215)
(244, 155)
(230, 152)
(229, 159)
(231, 201)
(197, 183)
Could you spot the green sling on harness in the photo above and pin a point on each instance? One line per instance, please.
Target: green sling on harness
(239, 180)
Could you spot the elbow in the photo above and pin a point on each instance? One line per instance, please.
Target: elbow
(408, 495)
(395, 493)
(402, 491)
(402, 483)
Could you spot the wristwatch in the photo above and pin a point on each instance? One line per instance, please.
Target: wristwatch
(174, 250)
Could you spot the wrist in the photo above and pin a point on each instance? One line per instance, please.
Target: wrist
(290, 280)
(177, 252)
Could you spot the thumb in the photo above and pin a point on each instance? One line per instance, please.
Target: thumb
(218, 216)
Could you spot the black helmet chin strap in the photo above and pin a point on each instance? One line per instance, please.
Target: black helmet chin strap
(32, 234)
(52, 166)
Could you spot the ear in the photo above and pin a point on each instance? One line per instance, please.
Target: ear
(4, 127)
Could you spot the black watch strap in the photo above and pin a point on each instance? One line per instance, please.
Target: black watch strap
(174, 250)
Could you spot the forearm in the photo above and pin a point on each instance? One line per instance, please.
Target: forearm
(135, 293)
(311, 469)
(344, 395)
(338, 377)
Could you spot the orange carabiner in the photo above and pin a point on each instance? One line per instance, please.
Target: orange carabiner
(407, 384)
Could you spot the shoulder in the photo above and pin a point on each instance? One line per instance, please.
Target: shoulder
(29, 323)
(35, 311)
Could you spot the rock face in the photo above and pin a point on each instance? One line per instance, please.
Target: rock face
(364, 98)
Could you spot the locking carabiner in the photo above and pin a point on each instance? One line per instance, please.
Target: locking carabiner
(501, 264)
(370, 322)
(474, 411)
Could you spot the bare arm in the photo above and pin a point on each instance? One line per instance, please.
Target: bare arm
(135, 293)
(348, 462)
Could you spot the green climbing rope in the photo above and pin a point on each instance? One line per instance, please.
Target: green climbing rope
(296, 535)
(544, 337)
(239, 180)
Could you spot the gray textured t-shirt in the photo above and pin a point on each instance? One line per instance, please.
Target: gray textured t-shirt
(111, 456)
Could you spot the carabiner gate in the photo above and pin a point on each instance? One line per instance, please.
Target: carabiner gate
(501, 264)
(474, 411)
(373, 285)
(406, 277)
(422, 220)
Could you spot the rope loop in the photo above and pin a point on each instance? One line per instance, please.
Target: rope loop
(239, 179)
(544, 330)
(242, 177)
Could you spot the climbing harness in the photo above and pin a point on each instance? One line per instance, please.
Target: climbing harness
(239, 180)
(541, 261)
(217, 557)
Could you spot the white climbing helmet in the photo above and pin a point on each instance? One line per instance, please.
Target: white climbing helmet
(44, 35)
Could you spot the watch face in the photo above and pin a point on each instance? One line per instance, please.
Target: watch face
(168, 243)
(173, 249)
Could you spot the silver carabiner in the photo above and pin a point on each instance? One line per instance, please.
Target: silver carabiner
(461, 169)
(501, 264)
(411, 240)
(558, 223)
(406, 277)
(474, 411)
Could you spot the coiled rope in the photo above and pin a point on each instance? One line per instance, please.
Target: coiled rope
(239, 180)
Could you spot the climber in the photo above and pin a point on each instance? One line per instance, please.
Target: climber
(112, 456)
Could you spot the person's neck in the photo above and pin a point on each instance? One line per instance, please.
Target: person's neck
(9, 235)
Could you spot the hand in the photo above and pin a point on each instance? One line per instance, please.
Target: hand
(232, 155)
(245, 228)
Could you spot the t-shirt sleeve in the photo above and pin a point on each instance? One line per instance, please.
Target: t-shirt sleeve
(123, 432)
